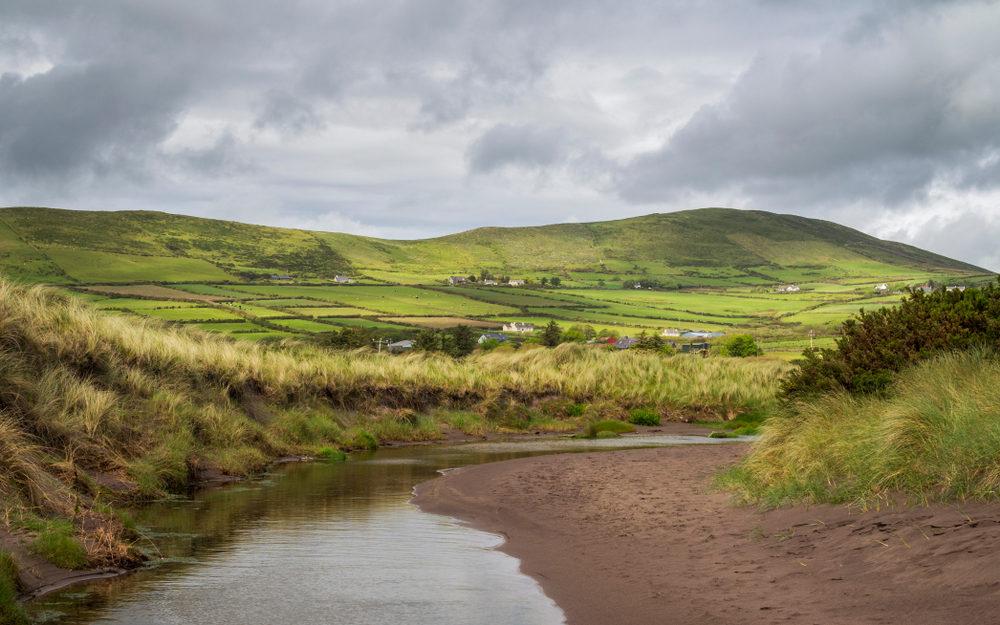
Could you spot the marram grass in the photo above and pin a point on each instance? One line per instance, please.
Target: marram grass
(153, 403)
(936, 437)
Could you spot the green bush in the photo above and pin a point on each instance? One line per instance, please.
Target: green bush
(738, 346)
(877, 345)
(607, 434)
(642, 416)
(576, 410)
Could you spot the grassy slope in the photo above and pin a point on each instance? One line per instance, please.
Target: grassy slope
(715, 244)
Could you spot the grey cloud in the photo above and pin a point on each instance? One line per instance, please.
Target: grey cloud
(867, 117)
(508, 145)
(288, 114)
(83, 120)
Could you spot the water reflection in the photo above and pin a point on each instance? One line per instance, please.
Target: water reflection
(325, 542)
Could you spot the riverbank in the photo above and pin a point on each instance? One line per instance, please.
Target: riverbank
(635, 537)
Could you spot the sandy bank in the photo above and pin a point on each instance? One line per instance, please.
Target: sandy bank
(632, 537)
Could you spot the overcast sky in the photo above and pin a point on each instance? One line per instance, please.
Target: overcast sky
(418, 118)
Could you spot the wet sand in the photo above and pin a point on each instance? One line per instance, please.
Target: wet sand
(634, 537)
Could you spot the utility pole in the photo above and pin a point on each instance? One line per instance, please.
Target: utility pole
(380, 342)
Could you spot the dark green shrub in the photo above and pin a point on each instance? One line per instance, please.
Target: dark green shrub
(642, 416)
(879, 344)
(576, 410)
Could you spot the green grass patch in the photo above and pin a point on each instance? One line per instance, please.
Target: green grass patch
(88, 266)
(611, 425)
(55, 543)
(643, 416)
(10, 589)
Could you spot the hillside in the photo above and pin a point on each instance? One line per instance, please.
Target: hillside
(692, 248)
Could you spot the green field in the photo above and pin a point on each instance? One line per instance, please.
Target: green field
(142, 304)
(87, 266)
(191, 314)
(332, 311)
(257, 311)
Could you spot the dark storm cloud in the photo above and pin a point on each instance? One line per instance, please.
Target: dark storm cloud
(83, 120)
(877, 114)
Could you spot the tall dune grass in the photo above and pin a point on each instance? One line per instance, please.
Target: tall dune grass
(936, 437)
(153, 403)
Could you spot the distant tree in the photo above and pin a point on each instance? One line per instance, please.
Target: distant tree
(556, 281)
(628, 284)
(572, 336)
(544, 281)
(350, 337)
(472, 278)
(739, 346)
(489, 345)
(601, 283)
(485, 275)
(589, 331)
(464, 340)
(427, 341)
(606, 333)
(550, 335)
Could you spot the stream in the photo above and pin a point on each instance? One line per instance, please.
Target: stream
(326, 542)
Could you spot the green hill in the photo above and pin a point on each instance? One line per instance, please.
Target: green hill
(704, 247)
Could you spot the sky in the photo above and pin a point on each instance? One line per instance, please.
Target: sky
(410, 119)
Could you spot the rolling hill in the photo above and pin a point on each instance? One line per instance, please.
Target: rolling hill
(703, 247)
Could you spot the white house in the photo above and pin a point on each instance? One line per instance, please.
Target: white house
(516, 282)
(490, 282)
(519, 327)
(343, 279)
(792, 288)
(882, 288)
(670, 332)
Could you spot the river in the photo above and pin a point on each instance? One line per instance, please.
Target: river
(326, 542)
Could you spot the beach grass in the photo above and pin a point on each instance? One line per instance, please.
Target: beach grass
(935, 436)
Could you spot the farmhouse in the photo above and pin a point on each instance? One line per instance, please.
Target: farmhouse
(955, 288)
(670, 332)
(882, 288)
(626, 342)
(519, 327)
(516, 282)
(457, 280)
(343, 279)
(792, 288)
(400, 346)
(281, 277)
(490, 282)
(497, 337)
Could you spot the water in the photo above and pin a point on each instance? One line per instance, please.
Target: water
(324, 543)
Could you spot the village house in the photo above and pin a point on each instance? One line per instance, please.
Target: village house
(488, 336)
(516, 282)
(281, 277)
(457, 280)
(882, 288)
(343, 279)
(792, 288)
(955, 288)
(519, 327)
(490, 282)
(400, 346)
(670, 332)
(626, 342)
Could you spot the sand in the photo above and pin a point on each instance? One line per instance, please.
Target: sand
(635, 537)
